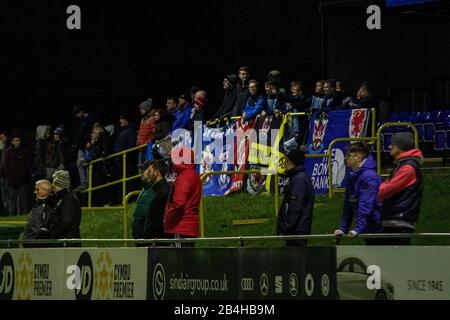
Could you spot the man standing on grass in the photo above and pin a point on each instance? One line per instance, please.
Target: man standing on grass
(149, 213)
(67, 216)
(401, 194)
(360, 201)
(181, 216)
(39, 218)
(295, 217)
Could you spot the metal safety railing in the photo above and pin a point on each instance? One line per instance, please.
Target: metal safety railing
(18, 222)
(124, 179)
(125, 212)
(241, 239)
(217, 121)
(124, 153)
(207, 174)
(124, 208)
(329, 154)
(374, 138)
(330, 158)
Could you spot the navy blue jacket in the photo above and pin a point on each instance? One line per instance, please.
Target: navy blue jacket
(196, 115)
(126, 138)
(361, 200)
(295, 216)
(275, 103)
(84, 131)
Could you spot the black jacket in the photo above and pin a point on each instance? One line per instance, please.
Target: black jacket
(16, 166)
(333, 101)
(405, 205)
(196, 115)
(38, 222)
(126, 138)
(368, 102)
(48, 154)
(163, 126)
(150, 226)
(295, 216)
(298, 104)
(226, 108)
(84, 131)
(102, 147)
(242, 95)
(66, 220)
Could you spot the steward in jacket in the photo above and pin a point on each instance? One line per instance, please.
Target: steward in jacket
(401, 194)
(151, 203)
(181, 214)
(295, 217)
(360, 202)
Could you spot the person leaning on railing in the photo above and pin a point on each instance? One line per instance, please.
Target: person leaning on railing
(146, 127)
(401, 194)
(360, 202)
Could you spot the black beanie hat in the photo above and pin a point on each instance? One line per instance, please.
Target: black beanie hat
(404, 141)
(232, 78)
(297, 156)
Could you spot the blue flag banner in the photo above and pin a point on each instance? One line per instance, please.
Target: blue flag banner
(217, 155)
(323, 130)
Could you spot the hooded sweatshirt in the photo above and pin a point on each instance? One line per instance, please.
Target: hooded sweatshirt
(401, 194)
(181, 214)
(361, 200)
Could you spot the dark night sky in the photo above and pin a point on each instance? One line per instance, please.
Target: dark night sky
(129, 51)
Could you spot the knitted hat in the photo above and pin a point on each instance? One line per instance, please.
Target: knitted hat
(61, 178)
(297, 156)
(404, 141)
(147, 105)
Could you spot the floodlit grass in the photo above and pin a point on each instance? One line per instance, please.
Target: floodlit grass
(221, 211)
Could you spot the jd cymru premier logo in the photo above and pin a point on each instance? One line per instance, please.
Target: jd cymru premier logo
(81, 277)
(6, 277)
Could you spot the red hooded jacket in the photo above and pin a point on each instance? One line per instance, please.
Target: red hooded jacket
(402, 179)
(181, 214)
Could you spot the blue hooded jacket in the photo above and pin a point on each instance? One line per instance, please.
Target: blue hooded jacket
(361, 200)
(182, 118)
(254, 107)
